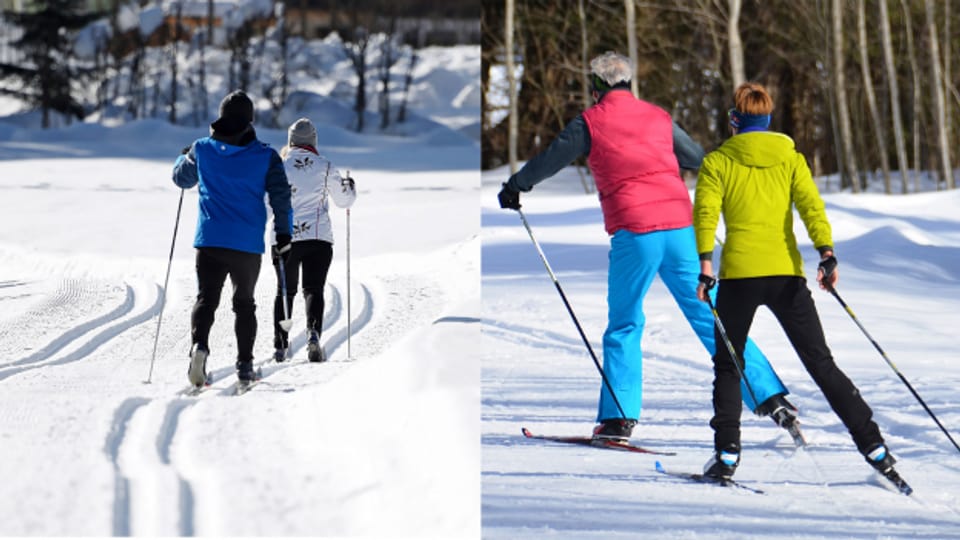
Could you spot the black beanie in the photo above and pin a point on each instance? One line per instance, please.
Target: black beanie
(238, 105)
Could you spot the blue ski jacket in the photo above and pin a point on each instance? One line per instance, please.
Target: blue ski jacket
(233, 180)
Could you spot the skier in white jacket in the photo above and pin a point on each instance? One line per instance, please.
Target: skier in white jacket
(313, 181)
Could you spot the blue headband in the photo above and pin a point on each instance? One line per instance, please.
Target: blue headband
(743, 121)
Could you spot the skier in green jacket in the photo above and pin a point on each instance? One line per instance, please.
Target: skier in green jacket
(755, 179)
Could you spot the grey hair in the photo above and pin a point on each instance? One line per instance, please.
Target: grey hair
(612, 67)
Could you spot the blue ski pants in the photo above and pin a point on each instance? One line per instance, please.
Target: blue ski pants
(635, 259)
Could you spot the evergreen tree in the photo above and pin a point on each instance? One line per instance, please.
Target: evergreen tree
(46, 75)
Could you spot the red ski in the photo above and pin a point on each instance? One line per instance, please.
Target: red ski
(598, 443)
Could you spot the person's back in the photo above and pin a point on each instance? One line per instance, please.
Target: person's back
(233, 172)
(634, 165)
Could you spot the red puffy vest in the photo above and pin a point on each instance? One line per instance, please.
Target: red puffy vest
(633, 164)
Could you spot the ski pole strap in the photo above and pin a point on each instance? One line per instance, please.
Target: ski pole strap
(708, 281)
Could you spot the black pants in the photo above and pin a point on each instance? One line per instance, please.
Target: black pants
(213, 267)
(315, 257)
(791, 303)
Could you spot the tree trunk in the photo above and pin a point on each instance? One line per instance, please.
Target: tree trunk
(943, 141)
(512, 125)
(735, 44)
(631, 11)
(847, 163)
(915, 71)
(584, 83)
(892, 82)
(871, 96)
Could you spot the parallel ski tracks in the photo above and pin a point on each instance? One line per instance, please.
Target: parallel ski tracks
(137, 419)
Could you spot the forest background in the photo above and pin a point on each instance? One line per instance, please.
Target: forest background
(866, 88)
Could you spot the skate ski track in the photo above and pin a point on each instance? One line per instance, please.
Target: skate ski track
(142, 430)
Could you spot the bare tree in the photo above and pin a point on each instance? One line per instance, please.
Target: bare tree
(631, 12)
(848, 162)
(894, 88)
(584, 83)
(408, 78)
(356, 51)
(917, 111)
(943, 140)
(871, 95)
(734, 43)
(174, 43)
(512, 127)
(389, 55)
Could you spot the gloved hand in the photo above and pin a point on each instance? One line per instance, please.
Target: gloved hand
(827, 275)
(347, 183)
(282, 247)
(509, 198)
(706, 282)
(186, 149)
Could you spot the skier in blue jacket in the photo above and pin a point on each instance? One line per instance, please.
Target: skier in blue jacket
(234, 171)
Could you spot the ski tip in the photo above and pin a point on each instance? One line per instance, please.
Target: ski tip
(659, 466)
(526, 432)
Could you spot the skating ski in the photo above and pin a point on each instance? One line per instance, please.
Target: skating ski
(701, 479)
(244, 386)
(589, 441)
(192, 390)
(899, 483)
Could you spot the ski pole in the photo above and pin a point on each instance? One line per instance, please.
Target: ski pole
(163, 293)
(849, 311)
(733, 353)
(576, 322)
(349, 330)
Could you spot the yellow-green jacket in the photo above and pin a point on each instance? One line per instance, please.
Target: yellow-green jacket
(753, 179)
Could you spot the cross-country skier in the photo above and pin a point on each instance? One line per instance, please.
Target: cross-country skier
(635, 152)
(755, 179)
(234, 172)
(313, 181)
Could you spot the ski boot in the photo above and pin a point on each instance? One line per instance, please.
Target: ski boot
(723, 463)
(279, 355)
(315, 352)
(197, 372)
(880, 459)
(617, 430)
(783, 414)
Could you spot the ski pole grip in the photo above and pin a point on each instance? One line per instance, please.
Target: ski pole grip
(827, 266)
(707, 281)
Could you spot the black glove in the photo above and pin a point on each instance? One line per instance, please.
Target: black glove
(282, 247)
(347, 183)
(509, 198)
(186, 149)
(827, 266)
(708, 281)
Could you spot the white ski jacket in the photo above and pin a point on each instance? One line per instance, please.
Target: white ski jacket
(312, 179)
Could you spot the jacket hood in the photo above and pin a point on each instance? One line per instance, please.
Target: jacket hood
(759, 148)
(239, 139)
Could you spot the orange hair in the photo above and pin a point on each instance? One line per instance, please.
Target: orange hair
(752, 98)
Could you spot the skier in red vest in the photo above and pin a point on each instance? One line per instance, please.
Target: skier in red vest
(636, 151)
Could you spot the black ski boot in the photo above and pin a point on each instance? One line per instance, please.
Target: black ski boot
(314, 351)
(245, 372)
(614, 429)
(880, 459)
(279, 355)
(723, 463)
(783, 414)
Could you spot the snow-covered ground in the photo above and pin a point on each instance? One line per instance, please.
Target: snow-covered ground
(383, 443)
(899, 257)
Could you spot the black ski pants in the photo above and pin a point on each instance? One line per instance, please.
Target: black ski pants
(792, 304)
(213, 267)
(314, 256)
